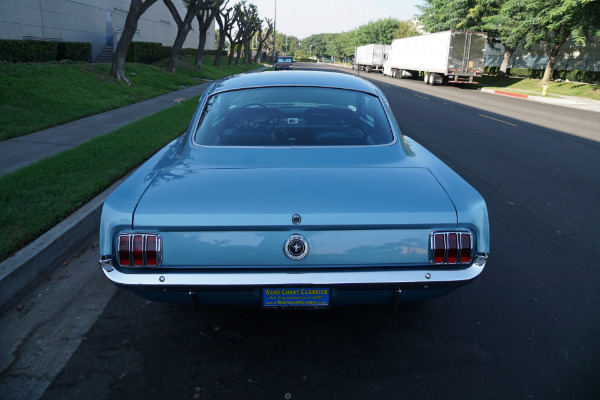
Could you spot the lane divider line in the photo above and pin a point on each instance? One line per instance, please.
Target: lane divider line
(499, 120)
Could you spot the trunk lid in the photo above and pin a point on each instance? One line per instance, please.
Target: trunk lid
(266, 198)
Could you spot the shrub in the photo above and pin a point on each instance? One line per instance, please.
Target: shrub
(74, 51)
(146, 52)
(21, 51)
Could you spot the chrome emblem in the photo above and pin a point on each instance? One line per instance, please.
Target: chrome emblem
(296, 219)
(296, 247)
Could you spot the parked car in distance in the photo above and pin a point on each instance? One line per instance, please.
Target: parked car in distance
(284, 62)
(293, 190)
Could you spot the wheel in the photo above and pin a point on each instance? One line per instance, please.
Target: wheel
(426, 79)
(432, 79)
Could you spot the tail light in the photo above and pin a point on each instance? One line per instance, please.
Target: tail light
(139, 250)
(451, 248)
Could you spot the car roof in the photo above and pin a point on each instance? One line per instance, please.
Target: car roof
(295, 78)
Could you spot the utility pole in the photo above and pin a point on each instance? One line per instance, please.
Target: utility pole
(274, 31)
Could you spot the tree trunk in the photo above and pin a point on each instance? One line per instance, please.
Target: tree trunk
(231, 53)
(200, 52)
(550, 64)
(183, 28)
(554, 55)
(508, 52)
(247, 52)
(220, 51)
(136, 9)
(258, 52)
(221, 40)
(238, 53)
(176, 48)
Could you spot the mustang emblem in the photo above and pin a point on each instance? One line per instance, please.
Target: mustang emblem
(296, 247)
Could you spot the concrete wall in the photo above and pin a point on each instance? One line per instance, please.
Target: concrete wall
(570, 57)
(99, 22)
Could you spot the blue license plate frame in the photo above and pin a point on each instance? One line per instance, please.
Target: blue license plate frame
(303, 298)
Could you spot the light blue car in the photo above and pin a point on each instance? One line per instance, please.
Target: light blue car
(293, 190)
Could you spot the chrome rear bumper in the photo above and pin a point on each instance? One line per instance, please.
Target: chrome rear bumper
(173, 280)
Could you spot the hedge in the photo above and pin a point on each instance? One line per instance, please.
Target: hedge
(574, 75)
(74, 51)
(22, 51)
(150, 52)
(146, 52)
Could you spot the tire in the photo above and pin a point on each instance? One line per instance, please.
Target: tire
(432, 79)
(426, 78)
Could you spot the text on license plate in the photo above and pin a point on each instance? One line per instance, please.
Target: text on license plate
(296, 298)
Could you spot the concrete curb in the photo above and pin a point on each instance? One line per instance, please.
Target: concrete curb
(33, 263)
(563, 101)
(505, 93)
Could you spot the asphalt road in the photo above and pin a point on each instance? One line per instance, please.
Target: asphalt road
(528, 328)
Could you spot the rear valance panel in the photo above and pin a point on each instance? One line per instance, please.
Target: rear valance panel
(239, 249)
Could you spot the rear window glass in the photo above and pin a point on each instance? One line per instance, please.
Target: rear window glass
(284, 59)
(293, 116)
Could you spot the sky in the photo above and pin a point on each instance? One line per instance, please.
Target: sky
(302, 18)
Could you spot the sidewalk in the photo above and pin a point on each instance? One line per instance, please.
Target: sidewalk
(24, 150)
(581, 103)
(34, 261)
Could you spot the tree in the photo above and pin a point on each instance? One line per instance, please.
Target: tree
(262, 37)
(406, 29)
(342, 45)
(136, 9)
(316, 45)
(251, 25)
(380, 31)
(183, 27)
(205, 19)
(226, 19)
(443, 15)
(499, 27)
(551, 22)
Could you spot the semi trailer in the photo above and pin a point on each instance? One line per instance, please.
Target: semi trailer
(442, 57)
(370, 57)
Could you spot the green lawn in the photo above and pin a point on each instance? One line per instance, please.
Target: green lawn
(36, 96)
(35, 198)
(39, 96)
(533, 85)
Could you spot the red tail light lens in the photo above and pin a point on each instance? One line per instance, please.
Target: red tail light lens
(439, 248)
(139, 250)
(451, 248)
(466, 248)
(124, 250)
(151, 251)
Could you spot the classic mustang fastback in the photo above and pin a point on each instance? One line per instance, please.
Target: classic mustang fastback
(293, 190)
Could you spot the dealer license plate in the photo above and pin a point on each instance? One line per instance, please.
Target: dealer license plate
(298, 298)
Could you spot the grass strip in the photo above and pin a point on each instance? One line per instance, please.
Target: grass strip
(35, 198)
(39, 96)
(585, 90)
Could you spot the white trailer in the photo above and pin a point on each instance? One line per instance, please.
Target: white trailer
(450, 56)
(370, 57)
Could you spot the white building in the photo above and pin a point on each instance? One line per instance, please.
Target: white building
(99, 22)
(572, 56)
